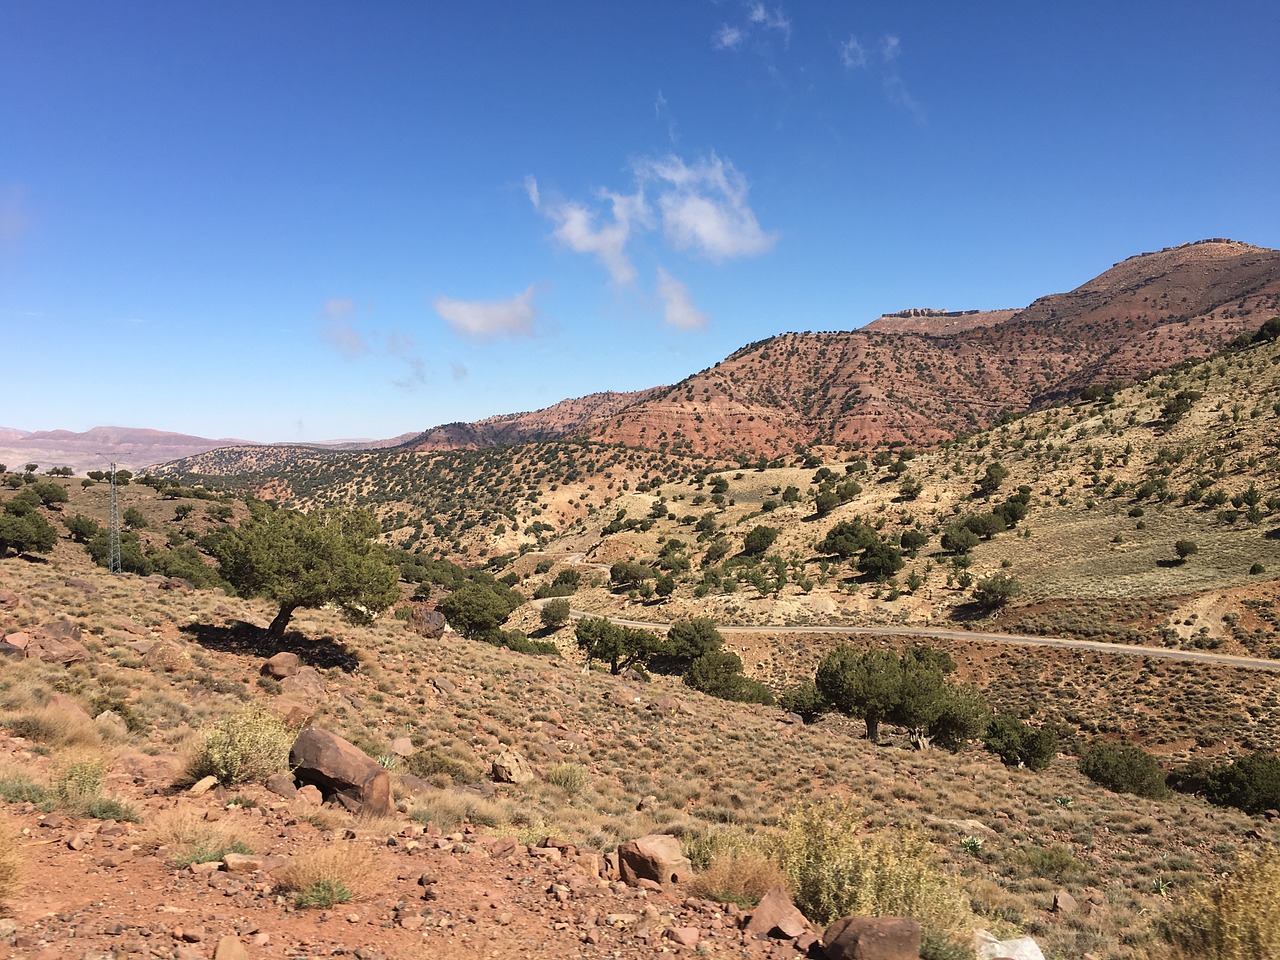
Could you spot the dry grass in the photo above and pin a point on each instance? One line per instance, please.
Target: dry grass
(187, 837)
(10, 861)
(349, 867)
(246, 747)
(733, 867)
(1236, 919)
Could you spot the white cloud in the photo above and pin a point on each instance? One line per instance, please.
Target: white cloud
(773, 20)
(704, 207)
(338, 331)
(576, 227)
(727, 37)
(852, 55)
(890, 48)
(677, 306)
(490, 319)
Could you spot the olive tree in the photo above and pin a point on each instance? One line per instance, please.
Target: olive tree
(307, 560)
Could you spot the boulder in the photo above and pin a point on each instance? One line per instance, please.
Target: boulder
(1064, 903)
(343, 771)
(111, 725)
(281, 665)
(51, 649)
(656, 857)
(510, 767)
(282, 785)
(69, 707)
(426, 621)
(306, 683)
(988, 947)
(167, 657)
(444, 685)
(664, 706)
(294, 711)
(18, 639)
(873, 938)
(403, 747)
(776, 917)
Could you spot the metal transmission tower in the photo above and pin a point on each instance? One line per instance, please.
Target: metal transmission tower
(113, 526)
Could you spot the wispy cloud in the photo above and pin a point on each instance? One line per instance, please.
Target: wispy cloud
(677, 306)
(576, 227)
(727, 37)
(854, 55)
(338, 331)
(459, 371)
(758, 25)
(490, 319)
(704, 207)
(774, 19)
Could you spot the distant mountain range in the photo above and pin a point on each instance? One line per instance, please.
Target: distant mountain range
(130, 448)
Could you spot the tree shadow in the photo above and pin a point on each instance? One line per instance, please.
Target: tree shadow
(248, 639)
(1167, 563)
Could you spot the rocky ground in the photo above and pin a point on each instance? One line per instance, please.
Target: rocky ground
(101, 889)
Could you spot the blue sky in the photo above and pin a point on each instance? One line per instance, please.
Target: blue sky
(303, 221)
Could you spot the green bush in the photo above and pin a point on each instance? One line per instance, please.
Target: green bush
(1124, 768)
(835, 870)
(1251, 783)
(246, 747)
(1019, 744)
(569, 777)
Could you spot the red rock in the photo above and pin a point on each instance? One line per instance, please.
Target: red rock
(777, 917)
(873, 938)
(685, 936)
(656, 857)
(282, 665)
(339, 768)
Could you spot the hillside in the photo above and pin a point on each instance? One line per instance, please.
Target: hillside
(612, 759)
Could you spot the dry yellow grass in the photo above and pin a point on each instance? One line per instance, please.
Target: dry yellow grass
(350, 866)
(1236, 919)
(187, 837)
(10, 861)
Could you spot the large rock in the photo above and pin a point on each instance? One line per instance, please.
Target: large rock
(342, 771)
(306, 683)
(988, 947)
(873, 938)
(656, 857)
(776, 916)
(56, 650)
(510, 767)
(282, 665)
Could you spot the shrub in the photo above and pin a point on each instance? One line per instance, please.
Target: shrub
(327, 875)
(192, 839)
(1250, 783)
(249, 746)
(1236, 919)
(569, 777)
(731, 867)
(555, 614)
(805, 700)
(78, 782)
(10, 862)
(1124, 768)
(836, 872)
(1019, 744)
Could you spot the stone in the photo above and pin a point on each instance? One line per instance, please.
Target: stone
(656, 857)
(684, 936)
(873, 938)
(18, 639)
(242, 863)
(306, 683)
(7, 649)
(443, 685)
(203, 786)
(282, 785)
(310, 796)
(68, 707)
(987, 947)
(338, 768)
(402, 747)
(56, 650)
(230, 948)
(776, 917)
(282, 665)
(295, 711)
(664, 706)
(111, 725)
(510, 767)
(1064, 903)
(167, 657)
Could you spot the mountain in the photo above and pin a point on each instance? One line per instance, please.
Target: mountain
(564, 419)
(923, 376)
(129, 447)
(920, 377)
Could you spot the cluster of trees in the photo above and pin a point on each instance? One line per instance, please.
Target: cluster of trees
(912, 691)
(23, 529)
(693, 649)
(964, 535)
(857, 540)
